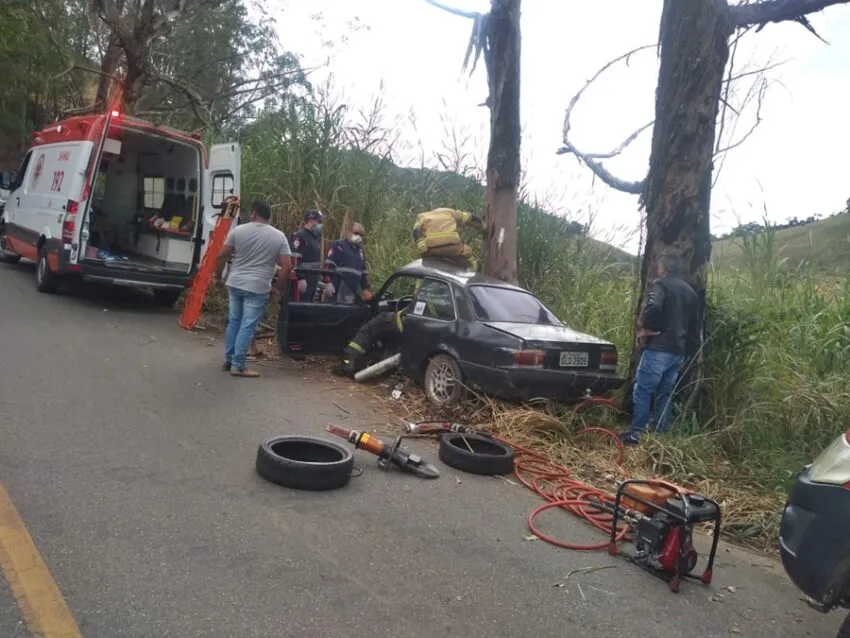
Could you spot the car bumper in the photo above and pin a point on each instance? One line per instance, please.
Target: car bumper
(523, 383)
(814, 539)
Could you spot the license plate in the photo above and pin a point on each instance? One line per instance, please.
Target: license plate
(574, 359)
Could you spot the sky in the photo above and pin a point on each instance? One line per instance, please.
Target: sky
(794, 164)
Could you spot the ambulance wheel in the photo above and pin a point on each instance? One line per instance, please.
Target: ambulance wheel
(444, 381)
(45, 279)
(6, 256)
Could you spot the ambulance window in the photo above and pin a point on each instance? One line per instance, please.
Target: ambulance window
(222, 188)
(19, 178)
(154, 192)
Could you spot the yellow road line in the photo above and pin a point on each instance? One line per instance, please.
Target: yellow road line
(39, 599)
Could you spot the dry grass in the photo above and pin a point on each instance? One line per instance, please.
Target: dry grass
(750, 513)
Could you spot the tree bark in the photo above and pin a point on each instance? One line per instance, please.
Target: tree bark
(694, 43)
(502, 58)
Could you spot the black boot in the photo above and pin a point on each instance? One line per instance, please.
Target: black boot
(344, 368)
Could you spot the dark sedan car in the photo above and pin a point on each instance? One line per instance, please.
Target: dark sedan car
(463, 330)
(814, 535)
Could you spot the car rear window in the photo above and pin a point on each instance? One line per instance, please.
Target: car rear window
(492, 303)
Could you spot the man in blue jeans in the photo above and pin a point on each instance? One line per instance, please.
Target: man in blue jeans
(668, 330)
(255, 250)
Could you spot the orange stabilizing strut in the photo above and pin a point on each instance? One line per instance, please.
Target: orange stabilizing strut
(201, 283)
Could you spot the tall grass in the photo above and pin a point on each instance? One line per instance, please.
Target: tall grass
(776, 387)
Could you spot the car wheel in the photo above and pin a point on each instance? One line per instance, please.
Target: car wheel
(844, 631)
(6, 256)
(444, 381)
(476, 454)
(304, 463)
(166, 296)
(45, 279)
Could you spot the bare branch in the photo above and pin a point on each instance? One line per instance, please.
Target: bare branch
(761, 94)
(463, 14)
(747, 15)
(194, 99)
(591, 159)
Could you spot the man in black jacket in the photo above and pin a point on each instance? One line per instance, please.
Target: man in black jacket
(668, 329)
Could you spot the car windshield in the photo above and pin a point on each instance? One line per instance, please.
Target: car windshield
(492, 303)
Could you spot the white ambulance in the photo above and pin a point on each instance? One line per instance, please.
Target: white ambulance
(118, 200)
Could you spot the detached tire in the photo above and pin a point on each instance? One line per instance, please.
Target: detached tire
(304, 463)
(45, 279)
(444, 381)
(487, 457)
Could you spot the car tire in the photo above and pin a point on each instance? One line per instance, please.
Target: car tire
(45, 279)
(487, 456)
(166, 297)
(7, 257)
(304, 463)
(844, 631)
(444, 381)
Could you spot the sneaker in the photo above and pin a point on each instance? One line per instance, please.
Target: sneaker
(627, 438)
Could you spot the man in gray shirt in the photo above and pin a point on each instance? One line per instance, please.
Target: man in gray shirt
(255, 250)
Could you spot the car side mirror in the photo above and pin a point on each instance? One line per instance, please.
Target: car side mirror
(6, 179)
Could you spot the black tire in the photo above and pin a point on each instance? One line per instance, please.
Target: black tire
(6, 257)
(45, 280)
(844, 631)
(305, 463)
(444, 381)
(487, 457)
(166, 296)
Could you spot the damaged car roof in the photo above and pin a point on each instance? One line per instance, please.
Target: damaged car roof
(429, 267)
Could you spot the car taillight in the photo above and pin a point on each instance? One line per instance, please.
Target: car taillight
(608, 360)
(69, 223)
(529, 358)
(832, 466)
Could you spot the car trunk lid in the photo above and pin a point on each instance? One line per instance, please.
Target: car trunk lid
(562, 348)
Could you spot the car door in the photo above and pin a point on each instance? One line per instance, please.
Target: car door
(16, 198)
(221, 180)
(318, 327)
(431, 324)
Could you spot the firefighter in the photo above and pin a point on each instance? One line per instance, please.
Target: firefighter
(385, 327)
(346, 257)
(436, 235)
(308, 252)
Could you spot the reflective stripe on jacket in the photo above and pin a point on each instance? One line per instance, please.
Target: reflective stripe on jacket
(438, 227)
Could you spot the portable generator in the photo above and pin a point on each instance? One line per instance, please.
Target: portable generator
(662, 517)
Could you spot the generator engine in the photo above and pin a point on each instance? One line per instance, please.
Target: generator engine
(662, 523)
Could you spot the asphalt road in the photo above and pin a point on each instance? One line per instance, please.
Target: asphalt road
(129, 455)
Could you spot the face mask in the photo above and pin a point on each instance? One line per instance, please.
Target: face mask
(356, 239)
(318, 228)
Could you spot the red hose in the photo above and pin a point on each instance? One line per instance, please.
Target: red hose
(555, 484)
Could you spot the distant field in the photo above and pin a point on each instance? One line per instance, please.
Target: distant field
(824, 244)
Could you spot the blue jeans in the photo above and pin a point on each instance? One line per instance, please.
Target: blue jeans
(246, 310)
(655, 378)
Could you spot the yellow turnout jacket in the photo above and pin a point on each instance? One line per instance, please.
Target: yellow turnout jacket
(437, 228)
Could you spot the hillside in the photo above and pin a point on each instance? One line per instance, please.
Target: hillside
(824, 244)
